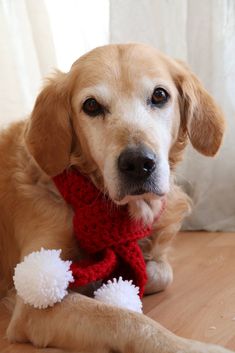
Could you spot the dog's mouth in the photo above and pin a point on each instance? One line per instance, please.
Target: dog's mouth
(146, 189)
(141, 193)
(138, 192)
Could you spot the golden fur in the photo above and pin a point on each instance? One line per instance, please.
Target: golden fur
(33, 215)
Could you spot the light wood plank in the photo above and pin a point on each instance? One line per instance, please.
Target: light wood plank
(200, 304)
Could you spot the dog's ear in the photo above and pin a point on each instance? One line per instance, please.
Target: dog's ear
(201, 118)
(48, 135)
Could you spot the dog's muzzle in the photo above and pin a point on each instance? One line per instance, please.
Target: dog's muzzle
(137, 169)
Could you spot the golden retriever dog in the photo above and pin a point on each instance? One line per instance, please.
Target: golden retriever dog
(122, 115)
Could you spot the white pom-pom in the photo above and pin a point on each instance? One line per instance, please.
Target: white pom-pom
(42, 279)
(120, 293)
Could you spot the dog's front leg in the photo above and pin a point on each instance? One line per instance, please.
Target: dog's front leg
(83, 324)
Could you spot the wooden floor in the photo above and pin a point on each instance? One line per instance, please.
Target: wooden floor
(200, 303)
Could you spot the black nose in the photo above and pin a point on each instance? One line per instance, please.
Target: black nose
(137, 163)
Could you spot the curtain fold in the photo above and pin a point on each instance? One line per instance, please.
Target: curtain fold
(38, 36)
(20, 66)
(203, 34)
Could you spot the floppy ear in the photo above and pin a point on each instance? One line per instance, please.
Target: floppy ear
(48, 135)
(201, 117)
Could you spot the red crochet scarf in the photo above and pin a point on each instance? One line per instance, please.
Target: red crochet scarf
(105, 232)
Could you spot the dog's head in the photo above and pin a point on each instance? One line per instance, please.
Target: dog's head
(123, 114)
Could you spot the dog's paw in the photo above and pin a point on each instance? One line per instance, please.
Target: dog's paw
(198, 347)
(217, 349)
(160, 275)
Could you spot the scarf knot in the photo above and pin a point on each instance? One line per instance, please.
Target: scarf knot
(104, 231)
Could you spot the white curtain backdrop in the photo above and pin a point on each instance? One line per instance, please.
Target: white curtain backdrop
(24, 56)
(203, 34)
(37, 36)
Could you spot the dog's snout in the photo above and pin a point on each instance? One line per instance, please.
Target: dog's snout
(137, 162)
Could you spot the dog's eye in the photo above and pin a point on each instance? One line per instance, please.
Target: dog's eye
(159, 97)
(92, 107)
